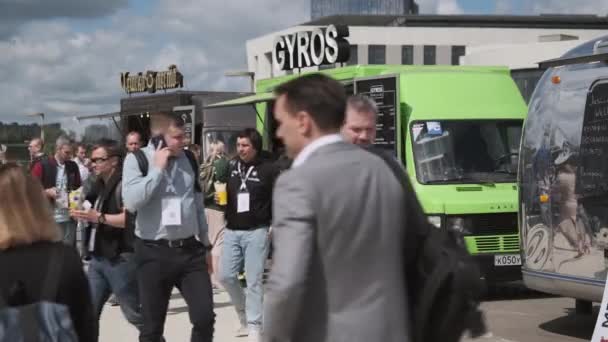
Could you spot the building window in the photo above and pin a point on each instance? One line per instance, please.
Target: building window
(430, 55)
(268, 56)
(354, 57)
(376, 54)
(407, 55)
(457, 52)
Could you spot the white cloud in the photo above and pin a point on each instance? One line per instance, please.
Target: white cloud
(504, 7)
(439, 7)
(49, 67)
(15, 13)
(599, 7)
(449, 7)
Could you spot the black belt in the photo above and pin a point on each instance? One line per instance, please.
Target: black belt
(178, 243)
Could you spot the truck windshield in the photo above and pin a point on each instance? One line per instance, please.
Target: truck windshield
(466, 151)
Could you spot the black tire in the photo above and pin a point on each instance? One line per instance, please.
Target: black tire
(583, 307)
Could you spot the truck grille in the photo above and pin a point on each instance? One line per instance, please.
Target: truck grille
(490, 224)
(493, 244)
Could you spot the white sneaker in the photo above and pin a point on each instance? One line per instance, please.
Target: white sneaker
(242, 330)
(254, 335)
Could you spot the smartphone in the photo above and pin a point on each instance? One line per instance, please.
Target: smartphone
(157, 140)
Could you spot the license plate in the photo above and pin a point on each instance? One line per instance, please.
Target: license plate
(507, 260)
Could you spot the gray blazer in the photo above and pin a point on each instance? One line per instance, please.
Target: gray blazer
(338, 243)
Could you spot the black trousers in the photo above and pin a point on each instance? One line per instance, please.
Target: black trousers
(159, 269)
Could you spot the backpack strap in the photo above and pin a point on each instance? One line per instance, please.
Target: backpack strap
(49, 173)
(142, 161)
(194, 164)
(416, 227)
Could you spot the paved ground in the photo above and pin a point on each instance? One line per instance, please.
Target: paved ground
(114, 328)
(518, 315)
(513, 315)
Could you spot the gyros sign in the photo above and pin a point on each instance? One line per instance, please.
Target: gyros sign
(311, 48)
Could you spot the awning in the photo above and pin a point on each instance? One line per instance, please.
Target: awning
(98, 116)
(250, 99)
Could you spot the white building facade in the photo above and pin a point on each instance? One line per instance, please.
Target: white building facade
(519, 42)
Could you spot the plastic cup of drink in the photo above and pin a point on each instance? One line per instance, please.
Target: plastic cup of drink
(222, 194)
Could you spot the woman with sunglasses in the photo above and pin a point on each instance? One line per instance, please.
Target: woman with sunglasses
(110, 242)
(30, 247)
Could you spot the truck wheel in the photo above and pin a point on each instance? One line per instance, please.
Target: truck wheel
(583, 307)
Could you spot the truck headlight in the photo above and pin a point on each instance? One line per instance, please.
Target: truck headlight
(435, 220)
(457, 224)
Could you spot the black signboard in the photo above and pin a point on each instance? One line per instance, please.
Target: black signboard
(186, 114)
(592, 173)
(383, 90)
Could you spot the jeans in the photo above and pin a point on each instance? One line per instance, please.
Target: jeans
(250, 247)
(159, 269)
(68, 232)
(115, 276)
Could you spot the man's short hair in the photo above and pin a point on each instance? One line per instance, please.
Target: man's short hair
(62, 141)
(175, 122)
(133, 133)
(362, 104)
(254, 136)
(321, 96)
(111, 146)
(38, 141)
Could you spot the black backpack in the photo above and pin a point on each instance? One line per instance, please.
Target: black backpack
(444, 281)
(42, 321)
(142, 161)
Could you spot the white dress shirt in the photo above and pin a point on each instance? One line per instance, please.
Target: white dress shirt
(315, 145)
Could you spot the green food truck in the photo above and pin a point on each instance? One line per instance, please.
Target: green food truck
(456, 129)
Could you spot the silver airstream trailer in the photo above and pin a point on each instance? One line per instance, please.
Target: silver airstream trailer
(563, 177)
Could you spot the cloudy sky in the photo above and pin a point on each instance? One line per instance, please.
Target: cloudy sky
(64, 57)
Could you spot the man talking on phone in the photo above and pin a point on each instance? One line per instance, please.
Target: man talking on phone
(171, 234)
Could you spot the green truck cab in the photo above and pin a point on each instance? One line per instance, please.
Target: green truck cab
(457, 131)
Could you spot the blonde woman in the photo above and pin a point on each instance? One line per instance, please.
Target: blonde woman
(214, 213)
(30, 241)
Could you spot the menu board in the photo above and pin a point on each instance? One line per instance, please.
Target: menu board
(592, 172)
(383, 90)
(186, 115)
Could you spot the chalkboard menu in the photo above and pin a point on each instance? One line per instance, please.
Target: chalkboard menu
(592, 172)
(383, 90)
(186, 115)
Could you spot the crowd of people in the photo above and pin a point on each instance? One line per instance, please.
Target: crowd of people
(152, 218)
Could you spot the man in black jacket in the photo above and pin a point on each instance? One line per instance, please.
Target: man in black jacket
(248, 215)
(112, 266)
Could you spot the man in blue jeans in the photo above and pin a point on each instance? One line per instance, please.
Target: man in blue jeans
(112, 266)
(248, 216)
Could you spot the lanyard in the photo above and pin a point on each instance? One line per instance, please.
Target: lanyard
(170, 175)
(244, 178)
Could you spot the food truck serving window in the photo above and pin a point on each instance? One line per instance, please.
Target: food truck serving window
(466, 151)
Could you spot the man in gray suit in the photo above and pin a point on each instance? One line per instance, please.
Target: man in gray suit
(338, 271)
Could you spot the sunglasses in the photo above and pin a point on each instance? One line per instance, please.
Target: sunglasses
(97, 160)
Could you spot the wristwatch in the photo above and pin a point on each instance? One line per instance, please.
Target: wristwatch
(101, 219)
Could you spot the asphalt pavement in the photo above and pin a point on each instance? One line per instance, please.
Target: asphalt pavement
(513, 314)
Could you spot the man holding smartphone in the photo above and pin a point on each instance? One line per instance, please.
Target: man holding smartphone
(171, 242)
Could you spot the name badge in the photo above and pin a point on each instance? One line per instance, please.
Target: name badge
(171, 211)
(243, 202)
